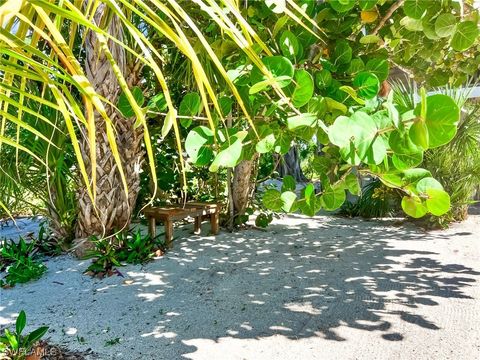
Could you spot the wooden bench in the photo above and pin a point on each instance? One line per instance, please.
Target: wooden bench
(168, 214)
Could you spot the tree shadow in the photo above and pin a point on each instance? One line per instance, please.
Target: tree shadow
(306, 280)
(310, 278)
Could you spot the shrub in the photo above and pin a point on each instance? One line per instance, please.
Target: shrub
(457, 166)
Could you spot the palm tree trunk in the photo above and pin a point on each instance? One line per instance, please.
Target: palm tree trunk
(113, 210)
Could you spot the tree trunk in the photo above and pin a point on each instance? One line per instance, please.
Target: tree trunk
(242, 185)
(290, 165)
(113, 210)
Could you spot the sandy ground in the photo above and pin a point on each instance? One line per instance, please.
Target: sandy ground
(321, 288)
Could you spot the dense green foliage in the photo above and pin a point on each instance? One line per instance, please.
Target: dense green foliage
(128, 247)
(457, 166)
(332, 73)
(19, 262)
(311, 74)
(40, 181)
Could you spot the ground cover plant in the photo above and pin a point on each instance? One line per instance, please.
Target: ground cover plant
(123, 248)
(19, 262)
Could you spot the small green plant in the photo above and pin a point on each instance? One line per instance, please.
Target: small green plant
(131, 248)
(19, 263)
(137, 248)
(104, 256)
(17, 346)
(112, 342)
(48, 245)
(263, 219)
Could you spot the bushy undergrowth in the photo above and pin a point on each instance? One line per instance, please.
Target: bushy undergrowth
(127, 247)
(19, 262)
(375, 201)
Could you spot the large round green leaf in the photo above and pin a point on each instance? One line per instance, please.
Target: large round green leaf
(311, 204)
(441, 119)
(412, 24)
(288, 183)
(356, 66)
(342, 53)
(266, 144)
(438, 201)
(198, 145)
(323, 79)
(352, 184)
(415, 8)
(413, 176)
(302, 120)
(445, 25)
(279, 66)
(407, 161)
(333, 197)
(419, 134)
(228, 157)
(190, 105)
(360, 131)
(342, 5)
(465, 35)
(289, 45)
(283, 142)
(288, 200)
(413, 206)
(225, 104)
(303, 89)
(367, 85)
(124, 105)
(378, 67)
(429, 31)
(272, 199)
(402, 144)
(428, 183)
(157, 103)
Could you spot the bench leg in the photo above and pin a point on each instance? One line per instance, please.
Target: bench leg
(198, 225)
(169, 233)
(152, 227)
(214, 219)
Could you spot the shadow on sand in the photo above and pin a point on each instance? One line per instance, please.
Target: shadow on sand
(310, 279)
(303, 280)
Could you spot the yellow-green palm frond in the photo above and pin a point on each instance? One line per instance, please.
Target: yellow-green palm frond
(42, 44)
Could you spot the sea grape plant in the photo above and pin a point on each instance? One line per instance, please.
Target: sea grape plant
(334, 76)
(328, 84)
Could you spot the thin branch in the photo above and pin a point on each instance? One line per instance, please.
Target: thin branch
(387, 16)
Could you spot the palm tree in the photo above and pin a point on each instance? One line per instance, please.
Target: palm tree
(113, 205)
(83, 54)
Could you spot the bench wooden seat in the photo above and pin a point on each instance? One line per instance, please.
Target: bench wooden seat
(170, 213)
